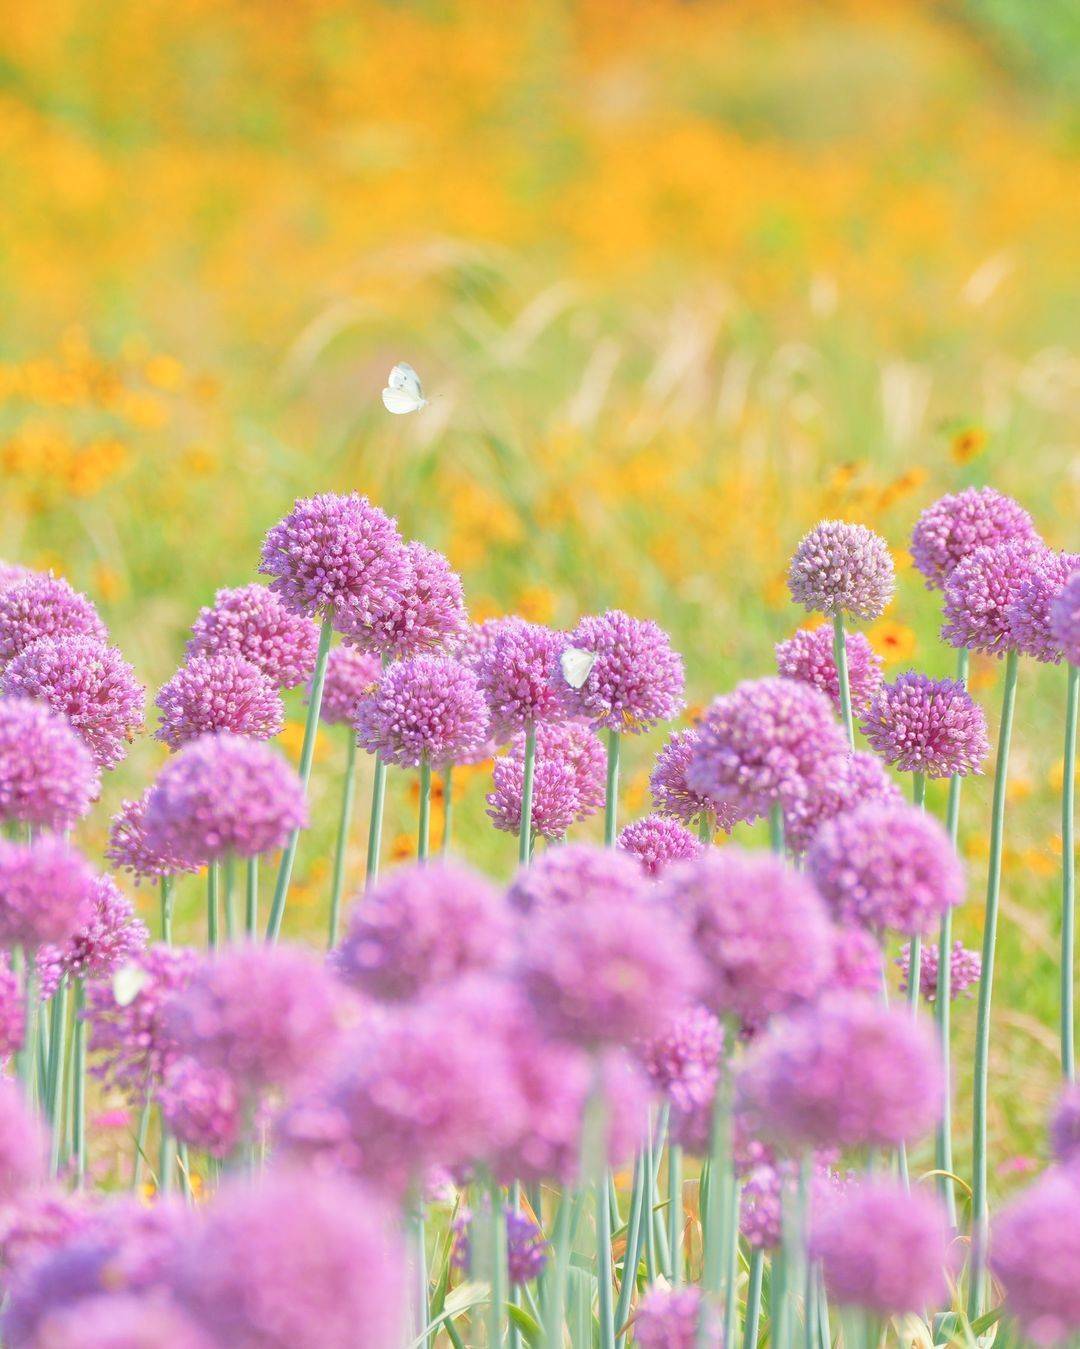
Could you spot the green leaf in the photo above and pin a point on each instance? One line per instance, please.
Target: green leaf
(526, 1324)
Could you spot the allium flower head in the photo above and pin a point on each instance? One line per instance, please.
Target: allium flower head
(682, 1061)
(92, 685)
(253, 622)
(295, 1260)
(808, 656)
(262, 1013)
(965, 970)
(758, 927)
(762, 743)
(555, 802)
(841, 568)
(12, 1009)
(23, 1145)
(607, 972)
(39, 1221)
(931, 726)
(577, 746)
(1035, 1256)
(858, 966)
(429, 616)
(202, 1106)
(217, 693)
(422, 926)
(835, 786)
(846, 1072)
(518, 673)
(337, 552)
(46, 892)
(637, 679)
(886, 866)
(351, 675)
(223, 794)
(980, 592)
(954, 526)
(526, 1245)
(48, 777)
(883, 1248)
(44, 605)
(11, 574)
(129, 850)
(110, 937)
(1064, 619)
(1065, 1127)
(427, 707)
(1029, 612)
(576, 874)
(671, 792)
(657, 841)
(761, 1199)
(121, 1321)
(668, 1318)
(130, 1038)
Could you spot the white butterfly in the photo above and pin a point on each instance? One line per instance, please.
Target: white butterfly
(403, 393)
(128, 982)
(576, 665)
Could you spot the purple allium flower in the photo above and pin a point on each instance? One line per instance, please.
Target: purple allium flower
(223, 794)
(657, 841)
(518, 672)
(202, 1106)
(429, 616)
(340, 553)
(44, 605)
(218, 693)
(427, 707)
(637, 679)
(422, 926)
(965, 970)
(121, 1321)
(252, 622)
(297, 1260)
(980, 592)
(351, 675)
(682, 1062)
(837, 785)
(931, 726)
(526, 1245)
(602, 971)
(12, 1009)
(92, 685)
(761, 743)
(129, 849)
(841, 568)
(858, 962)
(46, 892)
(808, 657)
(47, 775)
(37, 1223)
(954, 526)
(23, 1145)
(110, 937)
(575, 744)
(668, 1318)
(672, 794)
(761, 1196)
(11, 574)
(1065, 1127)
(1029, 613)
(883, 1248)
(129, 1032)
(1064, 619)
(758, 927)
(554, 799)
(573, 875)
(262, 1013)
(1035, 1256)
(886, 866)
(846, 1072)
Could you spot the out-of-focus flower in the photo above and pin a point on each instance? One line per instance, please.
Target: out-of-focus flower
(682, 1061)
(841, 568)
(669, 1318)
(218, 693)
(121, 1321)
(954, 526)
(1064, 619)
(1065, 1126)
(43, 605)
(808, 656)
(931, 726)
(858, 964)
(23, 1144)
(965, 970)
(12, 1009)
(110, 937)
(575, 874)
(202, 1106)
(252, 622)
(1035, 1256)
(351, 675)
(657, 841)
(835, 786)
(1029, 612)
(46, 893)
(526, 1246)
(425, 708)
(47, 775)
(430, 615)
(636, 679)
(129, 849)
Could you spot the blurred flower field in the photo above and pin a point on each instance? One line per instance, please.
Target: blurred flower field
(680, 280)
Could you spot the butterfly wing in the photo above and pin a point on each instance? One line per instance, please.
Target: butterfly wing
(404, 377)
(400, 401)
(128, 982)
(576, 665)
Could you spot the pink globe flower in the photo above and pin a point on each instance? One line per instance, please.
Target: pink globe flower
(44, 605)
(46, 893)
(1035, 1256)
(130, 850)
(351, 676)
(48, 777)
(965, 970)
(23, 1145)
(841, 568)
(110, 937)
(669, 1318)
(555, 802)
(980, 593)
(954, 526)
(657, 842)
(12, 1009)
(429, 617)
(636, 679)
(1064, 619)
(1029, 612)
(252, 622)
(671, 791)
(426, 708)
(203, 1106)
(517, 673)
(931, 726)
(122, 1321)
(211, 694)
(576, 874)
(808, 656)
(834, 787)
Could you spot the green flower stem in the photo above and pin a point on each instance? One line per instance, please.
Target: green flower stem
(497, 1255)
(228, 872)
(776, 828)
(719, 1185)
(652, 1269)
(979, 1205)
(213, 887)
(378, 805)
(605, 1310)
(423, 829)
(307, 755)
(633, 1248)
(167, 1160)
(675, 1213)
(611, 792)
(562, 1243)
(418, 1234)
(731, 1260)
(28, 1055)
(1068, 880)
(448, 807)
(78, 1085)
(140, 1145)
(251, 897)
(166, 884)
(918, 796)
(839, 647)
(341, 844)
(525, 832)
(706, 827)
(54, 1070)
(753, 1299)
(943, 999)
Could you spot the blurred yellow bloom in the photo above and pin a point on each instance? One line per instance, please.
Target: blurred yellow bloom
(894, 642)
(968, 444)
(402, 847)
(291, 742)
